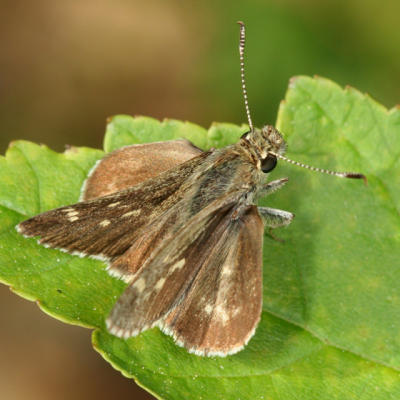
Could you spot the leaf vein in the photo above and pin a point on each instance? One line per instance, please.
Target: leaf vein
(331, 344)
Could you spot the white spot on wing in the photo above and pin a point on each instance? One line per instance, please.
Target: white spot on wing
(227, 270)
(105, 223)
(113, 204)
(72, 219)
(133, 213)
(221, 314)
(68, 210)
(160, 284)
(177, 265)
(139, 285)
(236, 311)
(208, 309)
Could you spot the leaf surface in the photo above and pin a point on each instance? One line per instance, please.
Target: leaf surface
(330, 320)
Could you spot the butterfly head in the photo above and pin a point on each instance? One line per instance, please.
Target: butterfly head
(266, 143)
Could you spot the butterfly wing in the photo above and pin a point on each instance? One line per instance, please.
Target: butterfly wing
(222, 308)
(106, 227)
(166, 275)
(131, 165)
(207, 291)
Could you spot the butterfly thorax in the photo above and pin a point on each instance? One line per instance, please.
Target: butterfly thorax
(223, 171)
(237, 168)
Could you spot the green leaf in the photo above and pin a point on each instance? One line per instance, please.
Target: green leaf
(330, 320)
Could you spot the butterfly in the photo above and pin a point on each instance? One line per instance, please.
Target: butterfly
(181, 227)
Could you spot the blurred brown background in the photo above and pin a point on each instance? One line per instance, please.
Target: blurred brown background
(66, 66)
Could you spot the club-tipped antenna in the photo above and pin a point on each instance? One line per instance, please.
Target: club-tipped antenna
(353, 175)
(242, 42)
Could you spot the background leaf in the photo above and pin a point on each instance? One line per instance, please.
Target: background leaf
(330, 323)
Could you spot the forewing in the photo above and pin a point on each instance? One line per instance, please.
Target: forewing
(107, 226)
(222, 308)
(164, 279)
(148, 240)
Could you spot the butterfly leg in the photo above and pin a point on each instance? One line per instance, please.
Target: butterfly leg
(272, 186)
(274, 218)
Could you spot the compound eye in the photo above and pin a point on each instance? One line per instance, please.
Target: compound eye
(268, 163)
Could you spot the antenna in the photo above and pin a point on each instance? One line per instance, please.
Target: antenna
(242, 41)
(353, 175)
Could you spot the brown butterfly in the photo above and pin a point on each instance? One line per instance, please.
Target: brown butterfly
(181, 227)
